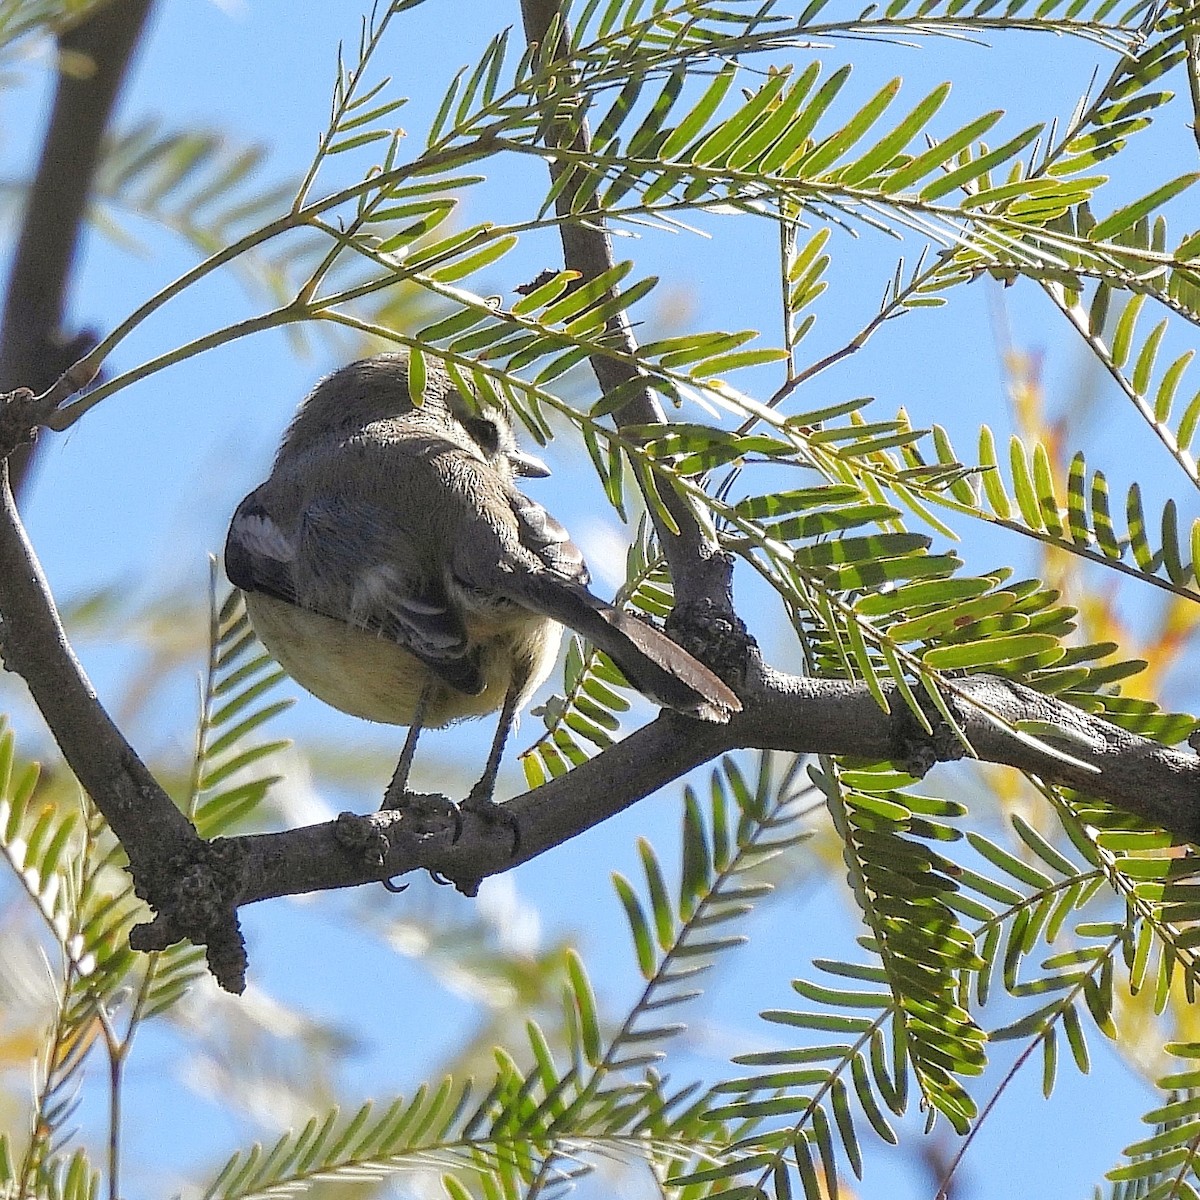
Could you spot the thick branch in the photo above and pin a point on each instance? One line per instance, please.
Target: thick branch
(35, 646)
(791, 713)
(1154, 782)
(197, 887)
(700, 572)
(34, 348)
(173, 869)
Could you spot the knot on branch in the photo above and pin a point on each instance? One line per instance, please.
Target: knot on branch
(364, 837)
(913, 749)
(716, 635)
(196, 894)
(370, 839)
(62, 362)
(21, 412)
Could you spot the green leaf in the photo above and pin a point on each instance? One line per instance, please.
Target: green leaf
(700, 112)
(1169, 385)
(993, 482)
(882, 153)
(974, 168)
(1027, 497)
(470, 263)
(1126, 217)
(725, 363)
(991, 652)
(585, 1004)
(664, 917)
(732, 131)
(780, 136)
(833, 147)
(861, 549)
(360, 139)
(941, 152)
(642, 939)
(1123, 334)
(1145, 359)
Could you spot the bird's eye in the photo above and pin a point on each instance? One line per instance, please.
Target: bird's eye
(485, 433)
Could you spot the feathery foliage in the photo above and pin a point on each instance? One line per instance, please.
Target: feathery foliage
(69, 866)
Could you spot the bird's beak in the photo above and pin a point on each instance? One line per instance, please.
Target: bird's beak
(529, 466)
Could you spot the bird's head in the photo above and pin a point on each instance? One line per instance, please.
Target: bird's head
(377, 389)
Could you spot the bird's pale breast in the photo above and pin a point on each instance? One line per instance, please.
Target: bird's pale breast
(371, 677)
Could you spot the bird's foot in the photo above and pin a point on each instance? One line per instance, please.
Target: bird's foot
(424, 812)
(360, 836)
(481, 805)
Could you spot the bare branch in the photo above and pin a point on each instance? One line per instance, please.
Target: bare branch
(173, 869)
(34, 348)
(802, 715)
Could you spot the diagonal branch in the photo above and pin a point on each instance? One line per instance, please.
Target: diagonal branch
(197, 887)
(35, 646)
(801, 715)
(700, 571)
(173, 869)
(34, 347)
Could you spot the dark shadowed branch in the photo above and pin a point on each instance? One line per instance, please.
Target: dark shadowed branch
(700, 571)
(35, 348)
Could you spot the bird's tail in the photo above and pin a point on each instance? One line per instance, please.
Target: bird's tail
(654, 664)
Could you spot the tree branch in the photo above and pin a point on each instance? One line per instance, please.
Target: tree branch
(701, 573)
(34, 348)
(173, 869)
(197, 887)
(791, 713)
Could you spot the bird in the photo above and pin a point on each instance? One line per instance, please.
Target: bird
(393, 569)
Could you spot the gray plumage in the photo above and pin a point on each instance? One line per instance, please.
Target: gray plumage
(389, 562)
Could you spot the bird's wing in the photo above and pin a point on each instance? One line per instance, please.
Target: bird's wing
(342, 558)
(533, 562)
(545, 536)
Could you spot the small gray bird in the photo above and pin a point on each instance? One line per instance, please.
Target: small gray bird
(391, 566)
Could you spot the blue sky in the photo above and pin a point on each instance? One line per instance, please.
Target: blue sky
(139, 493)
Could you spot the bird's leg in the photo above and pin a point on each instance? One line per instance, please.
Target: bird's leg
(397, 790)
(397, 794)
(479, 801)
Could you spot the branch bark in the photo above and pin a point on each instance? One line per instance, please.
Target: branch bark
(197, 887)
(700, 571)
(791, 713)
(173, 869)
(34, 347)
